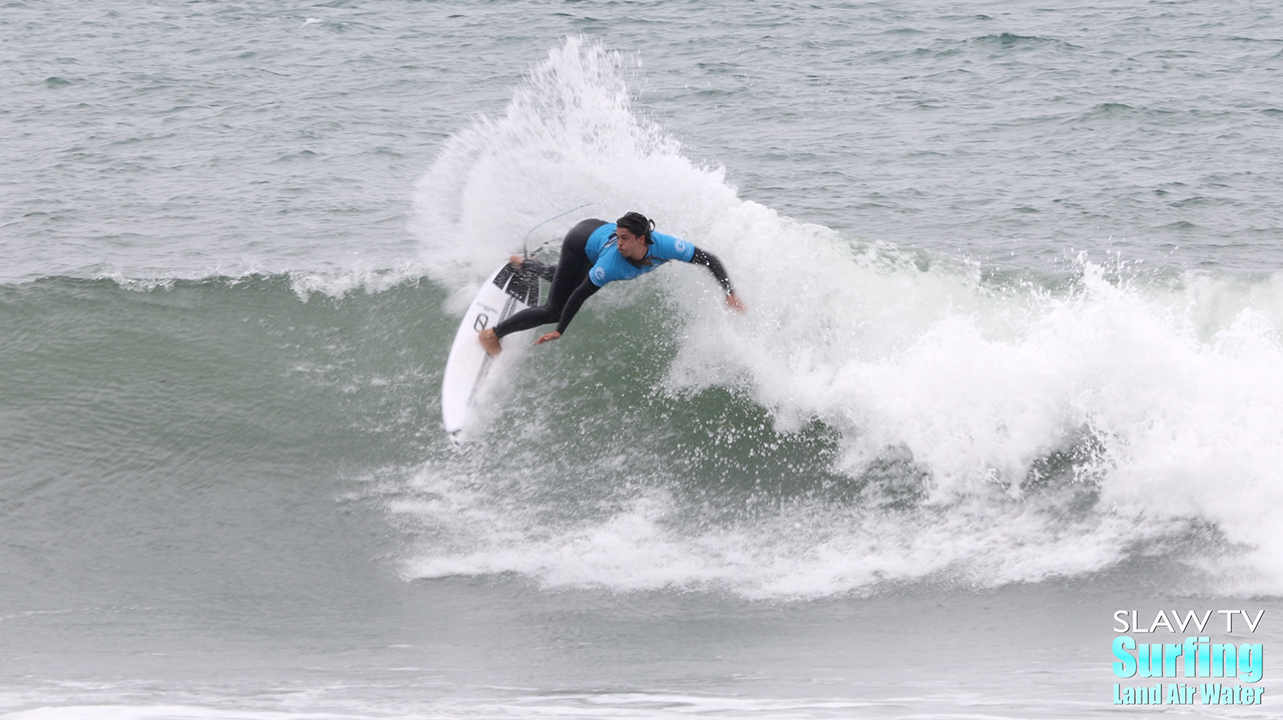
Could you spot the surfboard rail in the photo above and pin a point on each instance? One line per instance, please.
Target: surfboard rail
(509, 290)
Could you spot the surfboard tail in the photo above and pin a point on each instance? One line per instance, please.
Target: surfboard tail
(519, 283)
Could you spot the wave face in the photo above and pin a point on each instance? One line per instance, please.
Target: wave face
(878, 416)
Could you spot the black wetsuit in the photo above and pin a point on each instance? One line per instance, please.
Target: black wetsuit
(571, 285)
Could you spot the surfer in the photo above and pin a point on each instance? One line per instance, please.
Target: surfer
(594, 253)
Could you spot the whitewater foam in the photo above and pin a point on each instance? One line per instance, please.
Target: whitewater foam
(1025, 426)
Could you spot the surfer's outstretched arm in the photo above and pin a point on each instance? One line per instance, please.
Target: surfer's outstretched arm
(715, 266)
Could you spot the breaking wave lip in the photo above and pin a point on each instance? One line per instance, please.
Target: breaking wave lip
(332, 283)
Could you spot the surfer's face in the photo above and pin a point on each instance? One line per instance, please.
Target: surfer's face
(630, 246)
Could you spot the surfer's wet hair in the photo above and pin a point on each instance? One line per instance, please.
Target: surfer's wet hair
(637, 224)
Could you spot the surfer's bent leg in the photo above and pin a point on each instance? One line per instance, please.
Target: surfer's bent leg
(572, 268)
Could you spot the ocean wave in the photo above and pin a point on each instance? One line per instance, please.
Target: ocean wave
(332, 283)
(880, 415)
(877, 416)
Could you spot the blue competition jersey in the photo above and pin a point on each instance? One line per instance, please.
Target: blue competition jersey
(609, 265)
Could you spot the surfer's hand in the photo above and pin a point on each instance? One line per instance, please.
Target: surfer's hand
(733, 302)
(516, 260)
(548, 338)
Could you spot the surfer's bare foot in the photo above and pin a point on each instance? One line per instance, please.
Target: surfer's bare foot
(490, 341)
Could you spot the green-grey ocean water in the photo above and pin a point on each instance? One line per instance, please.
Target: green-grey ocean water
(1011, 360)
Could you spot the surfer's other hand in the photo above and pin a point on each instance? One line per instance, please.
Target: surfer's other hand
(733, 302)
(548, 338)
(516, 260)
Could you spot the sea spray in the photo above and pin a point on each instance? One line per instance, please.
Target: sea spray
(568, 137)
(907, 415)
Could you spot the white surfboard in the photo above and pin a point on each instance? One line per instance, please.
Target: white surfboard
(468, 368)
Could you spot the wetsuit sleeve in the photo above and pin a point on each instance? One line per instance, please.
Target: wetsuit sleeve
(714, 265)
(577, 298)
